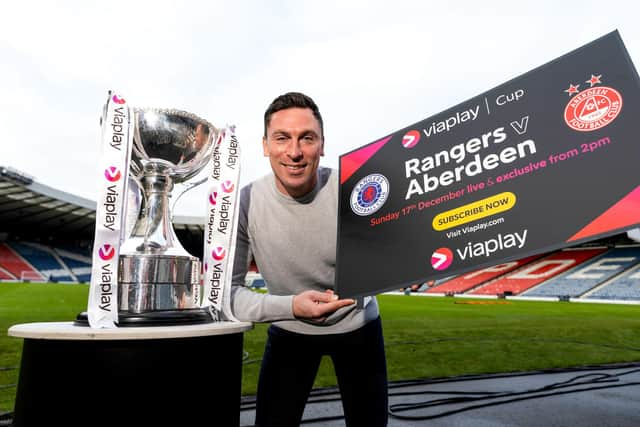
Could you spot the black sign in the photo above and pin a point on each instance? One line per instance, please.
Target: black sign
(547, 160)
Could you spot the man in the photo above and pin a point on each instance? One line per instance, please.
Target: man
(287, 224)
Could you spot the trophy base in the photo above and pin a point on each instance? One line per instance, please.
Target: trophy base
(150, 283)
(155, 318)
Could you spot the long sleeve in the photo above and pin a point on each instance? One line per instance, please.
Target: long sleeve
(246, 304)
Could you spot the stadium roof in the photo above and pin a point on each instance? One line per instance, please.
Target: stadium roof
(29, 209)
(192, 224)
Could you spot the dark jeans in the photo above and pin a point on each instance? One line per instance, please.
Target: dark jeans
(289, 368)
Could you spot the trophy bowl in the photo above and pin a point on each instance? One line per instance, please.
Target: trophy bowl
(176, 139)
(158, 279)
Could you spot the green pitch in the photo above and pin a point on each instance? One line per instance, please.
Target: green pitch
(425, 337)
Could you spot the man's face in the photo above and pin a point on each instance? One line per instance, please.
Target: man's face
(294, 144)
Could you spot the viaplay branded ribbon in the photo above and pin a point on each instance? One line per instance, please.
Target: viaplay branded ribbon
(221, 225)
(117, 135)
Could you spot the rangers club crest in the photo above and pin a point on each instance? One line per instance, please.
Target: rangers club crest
(369, 194)
(593, 108)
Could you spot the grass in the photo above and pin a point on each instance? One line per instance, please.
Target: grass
(425, 337)
(24, 303)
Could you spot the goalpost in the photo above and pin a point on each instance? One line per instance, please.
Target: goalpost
(33, 276)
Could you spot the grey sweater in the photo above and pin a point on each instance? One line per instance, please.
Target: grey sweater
(293, 242)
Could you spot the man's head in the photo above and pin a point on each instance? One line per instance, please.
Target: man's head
(294, 142)
(292, 100)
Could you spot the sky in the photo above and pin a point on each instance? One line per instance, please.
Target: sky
(373, 67)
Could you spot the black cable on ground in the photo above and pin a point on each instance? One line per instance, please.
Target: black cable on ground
(473, 377)
(393, 410)
(509, 396)
(595, 379)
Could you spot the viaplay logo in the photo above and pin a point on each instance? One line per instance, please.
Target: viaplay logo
(218, 253)
(118, 100)
(227, 186)
(106, 252)
(213, 197)
(441, 258)
(411, 139)
(112, 174)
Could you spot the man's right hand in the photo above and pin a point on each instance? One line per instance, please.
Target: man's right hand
(317, 305)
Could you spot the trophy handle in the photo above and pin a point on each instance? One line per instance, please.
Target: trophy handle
(188, 186)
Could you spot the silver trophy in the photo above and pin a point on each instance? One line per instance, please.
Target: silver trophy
(158, 278)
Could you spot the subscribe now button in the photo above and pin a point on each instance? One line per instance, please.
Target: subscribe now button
(474, 211)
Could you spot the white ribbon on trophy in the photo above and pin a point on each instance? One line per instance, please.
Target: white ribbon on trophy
(220, 226)
(116, 141)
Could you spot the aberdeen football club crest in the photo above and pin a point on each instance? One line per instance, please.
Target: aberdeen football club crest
(594, 107)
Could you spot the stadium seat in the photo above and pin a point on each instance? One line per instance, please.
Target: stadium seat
(17, 266)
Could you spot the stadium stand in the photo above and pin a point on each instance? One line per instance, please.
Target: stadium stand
(253, 278)
(5, 275)
(81, 253)
(469, 281)
(18, 267)
(79, 265)
(578, 281)
(44, 260)
(55, 231)
(537, 272)
(625, 287)
(39, 263)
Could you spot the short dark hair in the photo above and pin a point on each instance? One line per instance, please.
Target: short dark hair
(292, 100)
